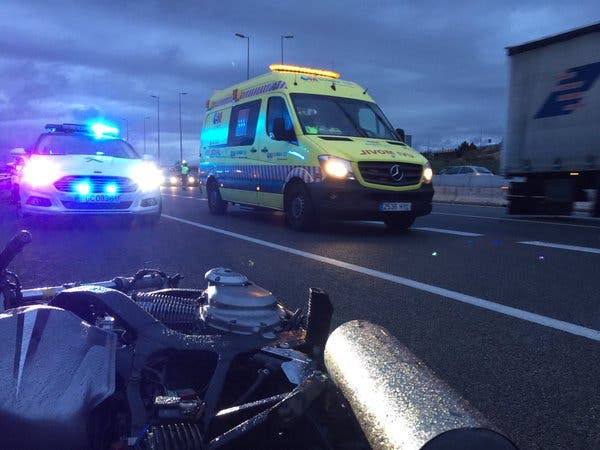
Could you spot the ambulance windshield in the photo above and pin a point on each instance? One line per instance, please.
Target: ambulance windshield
(338, 116)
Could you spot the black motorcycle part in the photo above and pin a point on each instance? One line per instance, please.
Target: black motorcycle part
(288, 410)
(178, 313)
(320, 312)
(13, 248)
(173, 436)
(470, 439)
(153, 338)
(56, 369)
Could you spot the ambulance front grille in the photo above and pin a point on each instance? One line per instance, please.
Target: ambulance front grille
(390, 173)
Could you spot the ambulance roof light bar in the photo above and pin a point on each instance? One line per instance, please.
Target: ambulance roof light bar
(286, 68)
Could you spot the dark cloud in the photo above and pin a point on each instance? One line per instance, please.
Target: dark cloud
(437, 69)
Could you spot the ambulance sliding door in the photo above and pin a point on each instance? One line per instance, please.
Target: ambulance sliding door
(240, 177)
(274, 156)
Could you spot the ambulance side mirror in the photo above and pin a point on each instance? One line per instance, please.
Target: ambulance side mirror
(401, 134)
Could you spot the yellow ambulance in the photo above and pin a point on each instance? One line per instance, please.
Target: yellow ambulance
(305, 142)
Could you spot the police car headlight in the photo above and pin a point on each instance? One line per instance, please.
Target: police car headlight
(427, 173)
(174, 179)
(40, 172)
(191, 180)
(335, 167)
(147, 176)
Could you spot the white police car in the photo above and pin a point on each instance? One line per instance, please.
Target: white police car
(78, 169)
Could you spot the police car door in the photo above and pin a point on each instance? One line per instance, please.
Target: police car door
(276, 155)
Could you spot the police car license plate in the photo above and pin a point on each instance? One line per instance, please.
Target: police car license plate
(99, 198)
(394, 206)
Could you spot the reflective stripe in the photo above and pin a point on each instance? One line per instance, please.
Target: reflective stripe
(270, 178)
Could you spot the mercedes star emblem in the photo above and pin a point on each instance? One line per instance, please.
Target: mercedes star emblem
(396, 173)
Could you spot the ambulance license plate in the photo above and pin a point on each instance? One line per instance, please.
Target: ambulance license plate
(394, 206)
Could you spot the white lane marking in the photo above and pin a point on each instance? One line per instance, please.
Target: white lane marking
(28, 323)
(574, 248)
(549, 322)
(519, 220)
(445, 231)
(184, 196)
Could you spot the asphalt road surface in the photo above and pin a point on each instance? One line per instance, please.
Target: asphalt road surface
(505, 310)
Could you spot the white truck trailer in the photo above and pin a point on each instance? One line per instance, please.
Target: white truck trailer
(553, 133)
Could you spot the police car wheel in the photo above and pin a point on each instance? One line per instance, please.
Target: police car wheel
(398, 222)
(299, 210)
(216, 205)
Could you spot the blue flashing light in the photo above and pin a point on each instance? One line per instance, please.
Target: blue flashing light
(83, 188)
(101, 130)
(110, 189)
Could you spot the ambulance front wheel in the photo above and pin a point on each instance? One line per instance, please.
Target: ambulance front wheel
(299, 208)
(216, 205)
(398, 222)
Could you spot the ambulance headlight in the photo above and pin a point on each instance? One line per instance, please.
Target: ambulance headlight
(335, 167)
(147, 176)
(427, 173)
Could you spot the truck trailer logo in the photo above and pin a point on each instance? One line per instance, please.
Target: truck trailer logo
(568, 94)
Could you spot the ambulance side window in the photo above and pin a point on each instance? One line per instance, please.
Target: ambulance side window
(277, 109)
(242, 124)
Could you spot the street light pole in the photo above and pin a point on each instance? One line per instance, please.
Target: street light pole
(243, 36)
(157, 123)
(145, 118)
(288, 36)
(180, 132)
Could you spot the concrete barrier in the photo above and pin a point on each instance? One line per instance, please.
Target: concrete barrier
(470, 195)
(483, 190)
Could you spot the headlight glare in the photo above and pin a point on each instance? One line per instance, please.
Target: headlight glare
(427, 173)
(335, 167)
(147, 176)
(40, 172)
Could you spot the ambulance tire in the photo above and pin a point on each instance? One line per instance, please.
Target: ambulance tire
(299, 208)
(398, 222)
(216, 205)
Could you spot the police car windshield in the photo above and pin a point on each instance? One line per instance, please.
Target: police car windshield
(80, 144)
(338, 116)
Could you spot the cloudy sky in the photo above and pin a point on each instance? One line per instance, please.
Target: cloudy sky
(437, 69)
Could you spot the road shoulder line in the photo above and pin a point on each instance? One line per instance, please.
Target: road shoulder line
(574, 248)
(446, 231)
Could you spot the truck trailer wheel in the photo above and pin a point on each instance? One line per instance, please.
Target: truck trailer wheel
(216, 205)
(299, 208)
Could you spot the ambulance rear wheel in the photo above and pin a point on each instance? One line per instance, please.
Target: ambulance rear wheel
(299, 208)
(398, 222)
(216, 205)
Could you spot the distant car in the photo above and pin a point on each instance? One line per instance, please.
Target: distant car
(75, 170)
(465, 170)
(174, 178)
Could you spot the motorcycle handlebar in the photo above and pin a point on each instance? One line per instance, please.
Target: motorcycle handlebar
(13, 248)
(124, 284)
